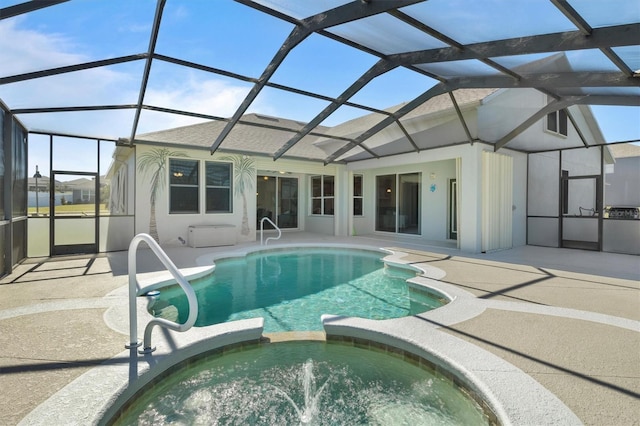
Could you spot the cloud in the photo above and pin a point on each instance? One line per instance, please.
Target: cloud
(192, 91)
(176, 87)
(181, 12)
(40, 51)
(135, 28)
(34, 51)
(208, 96)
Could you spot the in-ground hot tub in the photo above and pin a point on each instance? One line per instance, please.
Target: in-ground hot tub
(303, 382)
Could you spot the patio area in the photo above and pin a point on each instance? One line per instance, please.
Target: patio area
(570, 319)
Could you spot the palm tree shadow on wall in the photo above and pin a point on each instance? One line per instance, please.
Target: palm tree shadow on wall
(243, 179)
(154, 162)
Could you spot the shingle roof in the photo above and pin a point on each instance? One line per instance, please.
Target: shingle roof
(266, 137)
(625, 150)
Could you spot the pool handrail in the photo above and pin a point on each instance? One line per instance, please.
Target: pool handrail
(133, 293)
(262, 231)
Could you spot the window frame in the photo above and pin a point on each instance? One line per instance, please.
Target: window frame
(390, 208)
(358, 196)
(228, 187)
(322, 198)
(558, 119)
(171, 209)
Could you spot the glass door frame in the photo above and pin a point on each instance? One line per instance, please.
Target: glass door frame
(84, 248)
(391, 200)
(453, 210)
(276, 214)
(582, 214)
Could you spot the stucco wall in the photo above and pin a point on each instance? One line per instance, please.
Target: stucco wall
(520, 171)
(434, 204)
(172, 227)
(504, 110)
(437, 167)
(433, 212)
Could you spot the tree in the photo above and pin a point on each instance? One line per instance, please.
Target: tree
(154, 162)
(243, 179)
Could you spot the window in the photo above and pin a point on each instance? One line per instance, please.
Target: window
(357, 195)
(322, 195)
(183, 186)
(219, 194)
(557, 122)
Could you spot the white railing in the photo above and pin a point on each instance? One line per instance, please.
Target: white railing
(262, 231)
(133, 293)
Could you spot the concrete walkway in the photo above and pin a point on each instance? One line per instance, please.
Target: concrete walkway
(568, 318)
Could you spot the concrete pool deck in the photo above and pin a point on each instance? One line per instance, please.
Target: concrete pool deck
(569, 319)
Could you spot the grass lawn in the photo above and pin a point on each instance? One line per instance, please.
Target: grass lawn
(70, 209)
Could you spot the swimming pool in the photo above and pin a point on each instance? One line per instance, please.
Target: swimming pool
(299, 382)
(291, 289)
(102, 393)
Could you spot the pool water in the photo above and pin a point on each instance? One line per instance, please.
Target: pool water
(292, 289)
(313, 383)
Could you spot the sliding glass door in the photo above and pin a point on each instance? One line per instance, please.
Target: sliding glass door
(398, 203)
(277, 199)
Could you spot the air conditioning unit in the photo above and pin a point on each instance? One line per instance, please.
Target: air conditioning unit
(211, 235)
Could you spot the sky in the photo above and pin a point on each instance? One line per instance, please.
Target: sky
(234, 37)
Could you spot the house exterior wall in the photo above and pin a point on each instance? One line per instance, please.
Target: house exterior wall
(520, 189)
(504, 110)
(498, 115)
(433, 211)
(437, 167)
(303, 170)
(173, 227)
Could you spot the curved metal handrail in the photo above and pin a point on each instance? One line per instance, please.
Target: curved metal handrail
(262, 231)
(133, 293)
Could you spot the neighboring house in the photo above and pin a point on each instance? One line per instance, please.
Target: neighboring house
(40, 184)
(83, 190)
(445, 185)
(621, 188)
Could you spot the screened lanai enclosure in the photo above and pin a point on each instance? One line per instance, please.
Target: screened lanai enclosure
(83, 82)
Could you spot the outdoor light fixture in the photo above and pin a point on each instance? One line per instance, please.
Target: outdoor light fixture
(37, 176)
(389, 190)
